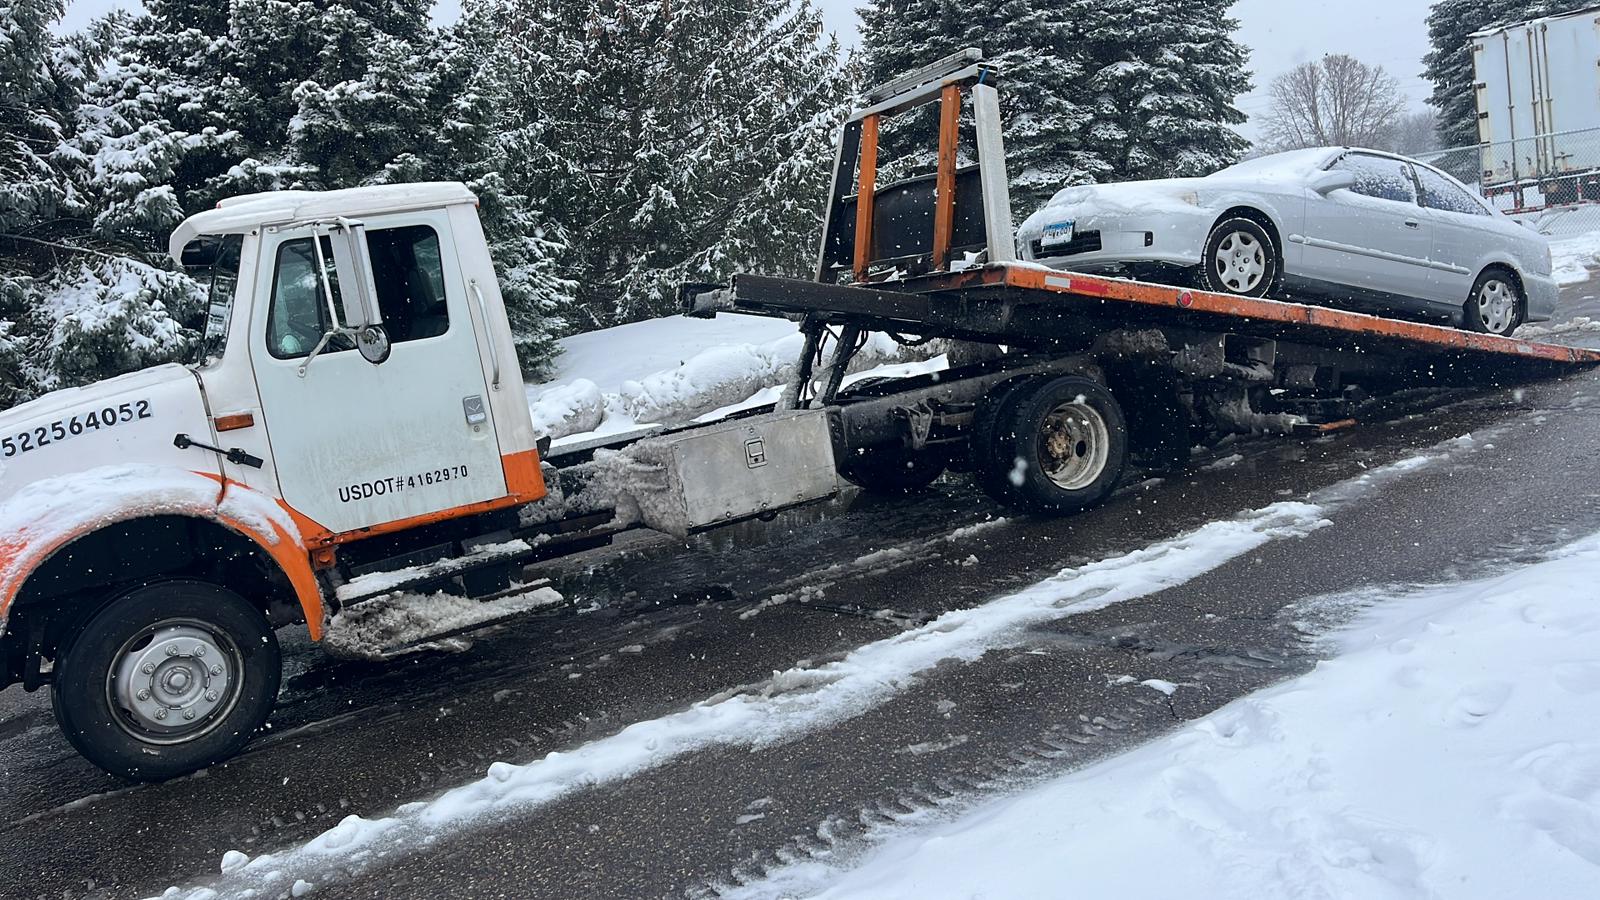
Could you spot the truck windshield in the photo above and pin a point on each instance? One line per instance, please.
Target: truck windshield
(213, 262)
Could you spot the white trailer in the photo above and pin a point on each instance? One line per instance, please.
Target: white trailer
(1538, 96)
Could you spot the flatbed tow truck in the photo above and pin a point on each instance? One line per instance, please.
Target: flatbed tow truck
(357, 436)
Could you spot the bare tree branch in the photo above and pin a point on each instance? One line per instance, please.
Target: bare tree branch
(1336, 101)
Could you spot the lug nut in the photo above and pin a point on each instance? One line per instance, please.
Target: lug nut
(144, 695)
(216, 670)
(171, 650)
(188, 714)
(149, 668)
(161, 713)
(212, 696)
(199, 649)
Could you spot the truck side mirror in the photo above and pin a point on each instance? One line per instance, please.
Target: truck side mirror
(353, 262)
(1330, 180)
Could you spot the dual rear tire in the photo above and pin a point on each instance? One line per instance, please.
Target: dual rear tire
(1049, 446)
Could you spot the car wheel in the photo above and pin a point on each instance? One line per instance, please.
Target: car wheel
(1240, 258)
(1064, 443)
(169, 678)
(1495, 306)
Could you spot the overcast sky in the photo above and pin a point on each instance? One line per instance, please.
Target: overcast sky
(1279, 33)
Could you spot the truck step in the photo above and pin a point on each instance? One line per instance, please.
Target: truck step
(397, 623)
(412, 579)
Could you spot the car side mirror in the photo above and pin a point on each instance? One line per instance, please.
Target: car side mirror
(1330, 180)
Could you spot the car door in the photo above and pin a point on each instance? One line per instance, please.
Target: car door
(1371, 236)
(1462, 232)
(358, 444)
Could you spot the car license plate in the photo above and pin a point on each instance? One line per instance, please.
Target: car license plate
(1056, 234)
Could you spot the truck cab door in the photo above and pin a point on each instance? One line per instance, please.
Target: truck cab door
(358, 444)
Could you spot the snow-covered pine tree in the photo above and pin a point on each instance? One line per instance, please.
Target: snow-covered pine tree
(673, 140)
(76, 305)
(1165, 75)
(1093, 90)
(1044, 101)
(1449, 64)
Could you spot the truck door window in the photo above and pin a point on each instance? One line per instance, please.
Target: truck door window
(298, 316)
(409, 276)
(407, 271)
(1379, 176)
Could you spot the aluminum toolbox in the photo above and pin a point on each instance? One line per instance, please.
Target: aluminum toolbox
(721, 473)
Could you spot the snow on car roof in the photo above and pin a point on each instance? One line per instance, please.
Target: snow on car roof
(244, 213)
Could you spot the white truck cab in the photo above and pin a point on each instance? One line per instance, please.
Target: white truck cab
(358, 379)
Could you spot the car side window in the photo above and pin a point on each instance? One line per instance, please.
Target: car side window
(1439, 193)
(1379, 176)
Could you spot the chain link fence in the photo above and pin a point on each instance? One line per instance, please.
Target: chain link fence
(1550, 181)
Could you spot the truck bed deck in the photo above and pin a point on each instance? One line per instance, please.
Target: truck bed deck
(1022, 302)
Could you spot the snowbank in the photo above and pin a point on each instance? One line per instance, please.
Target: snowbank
(1575, 257)
(675, 370)
(1450, 752)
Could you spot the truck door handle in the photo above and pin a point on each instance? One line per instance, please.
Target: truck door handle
(488, 332)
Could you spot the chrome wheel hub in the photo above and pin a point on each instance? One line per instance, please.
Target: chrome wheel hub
(174, 681)
(1241, 262)
(1497, 306)
(1075, 445)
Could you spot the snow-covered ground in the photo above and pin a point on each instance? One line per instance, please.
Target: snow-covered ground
(806, 697)
(1448, 750)
(1575, 257)
(676, 369)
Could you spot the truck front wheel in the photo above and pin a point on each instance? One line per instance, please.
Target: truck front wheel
(167, 679)
(1061, 444)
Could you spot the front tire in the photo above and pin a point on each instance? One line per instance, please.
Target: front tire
(1240, 258)
(169, 678)
(1495, 304)
(1063, 444)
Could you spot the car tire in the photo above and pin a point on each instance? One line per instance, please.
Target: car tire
(1062, 444)
(167, 679)
(1240, 258)
(1495, 305)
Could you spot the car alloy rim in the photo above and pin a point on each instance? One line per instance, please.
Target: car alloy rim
(1497, 304)
(1074, 445)
(1240, 262)
(174, 681)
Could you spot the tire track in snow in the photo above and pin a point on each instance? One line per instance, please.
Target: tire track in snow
(798, 700)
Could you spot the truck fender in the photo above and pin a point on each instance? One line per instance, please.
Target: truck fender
(50, 514)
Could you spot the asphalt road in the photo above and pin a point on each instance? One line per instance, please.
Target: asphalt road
(654, 625)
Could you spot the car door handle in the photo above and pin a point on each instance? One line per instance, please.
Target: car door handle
(1412, 223)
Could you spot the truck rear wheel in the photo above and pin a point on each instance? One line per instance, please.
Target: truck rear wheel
(892, 470)
(169, 678)
(992, 469)
(1062, 445)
